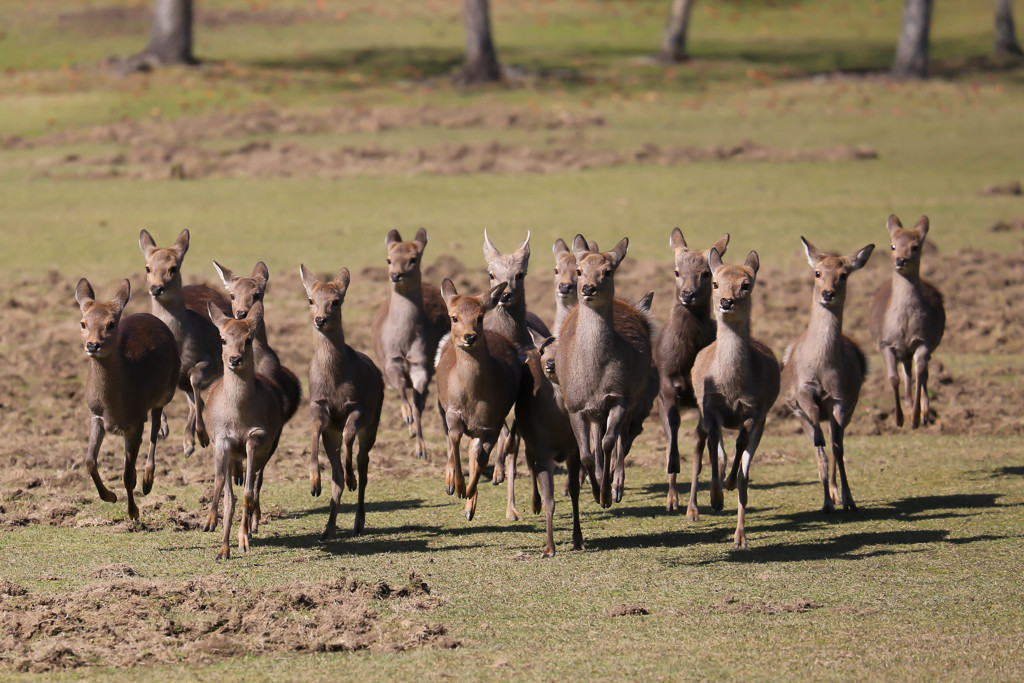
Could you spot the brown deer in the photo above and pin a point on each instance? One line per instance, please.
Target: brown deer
(565, 279)
(133, 371)
(346, 391)
(690, 328)
(407, 329)
(478, 380)
(246, 413)
(548, 437)
(823, 370)
(184, 311)
(603, 363)
(244, 292)
(735, 379)
(907, 319)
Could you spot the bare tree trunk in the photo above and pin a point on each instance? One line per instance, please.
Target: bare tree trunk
(1006, 37)
(912, 51)
(481, 59)
(673, 41)
(170, 39)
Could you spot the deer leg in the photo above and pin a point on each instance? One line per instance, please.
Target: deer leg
(545, 476)
(332, 447)
(197, 378)
(889, 358)
(602, 464)
(531, 467)
(511, 513)
(477, 461)
(254, 524)
(580, 431)
(809, 415)
(454, 479)
(352, 425)
(699, 439)
(615, 455)
(499, 461)
(188, 442)
(132, 442)
(220, 468)
(908, 373)
(921, 402)
(154, 434)
(164, 429)
(96, 432)
(573, 464)
(363, 465)
(741, 446)
(837, 424)
(252, 444)
(224, 459)
(714, 431)
(750, 440)
(420, 379)
(319, 420)
(669, 413)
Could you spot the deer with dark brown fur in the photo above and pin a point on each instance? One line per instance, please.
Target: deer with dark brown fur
(184, 311)
(407, 329)
(690, 328)
(133, 371)
(603, 364)
(245, 412)
(735, 379)
(907, 319)
(478, 380)
(346, 392)
(823, 370)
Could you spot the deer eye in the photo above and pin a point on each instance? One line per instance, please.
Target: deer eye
(677, 272)
(520, 276)
(455, 318)
(172, 270)
(110, 325)
(817, 273)
(310, 302)
(892, 247)
(745, 287)
(389, 261)
(248, 341)
(412, 261)
(336, 302)
(257, 296)
(556, 271)
(579, 273)
(705, 275)
(714, 285)
(231, 296)
(842, 277)
(914, 249)
(148, 269)
(607, 273)
(479, 320)
(223, 341)
(83, 325)
(490, 275)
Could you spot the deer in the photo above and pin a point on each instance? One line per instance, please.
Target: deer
(407, 329)
(346, 393)
(478, 379)
(133, 372)
(565, 279)
(184, 311)
(690, 328)
(246, 413)
(603, 363)
(523, 328)
(735, 380)
(907, 319)
(823, 370)
(548, 438)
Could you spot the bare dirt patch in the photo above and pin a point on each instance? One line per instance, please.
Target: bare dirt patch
(132, 621)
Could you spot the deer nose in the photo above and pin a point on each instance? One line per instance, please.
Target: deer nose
(828, 295)
(92, 347)
(900, 262)
(396, 277)
(319, 321)
(240, 315)
(506, 296)
(469, 339)
(235, 361)
(156, 290)
(589, 290)
(686, 296)
(549, 365)
(726, 304)
(565, 288)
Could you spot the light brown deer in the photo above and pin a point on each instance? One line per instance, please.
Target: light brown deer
(133, 371)
(478, 380)
(603, 363)
(184, 311)
(407, 329)
(907, 319)
(735, 379)
(565, 279)
(346, 391)
(690, 328)
(245, 413)
(823, 370)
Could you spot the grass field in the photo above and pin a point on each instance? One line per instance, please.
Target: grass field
(920, 583)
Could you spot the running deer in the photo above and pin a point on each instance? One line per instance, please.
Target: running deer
(478, 380)
(245, 412)
(407, 329)
(523, 328)
(603, 363)
(133, 371)
(346, 392)
(690, 328)
(735, 379)
(565, 279)
(548, 438)
(244, 292)
(184, 311)
(907, 319)
(823, 370)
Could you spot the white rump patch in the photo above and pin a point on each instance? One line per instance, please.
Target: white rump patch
(440, 348)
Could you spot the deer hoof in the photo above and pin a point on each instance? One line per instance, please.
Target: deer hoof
(108, 496)
(849, 506)
(899, 419)
(209, 525)
(512, 515)
(189, 449)
(469, 515)
(224, 553)
(314, 490)
(133, 512)
(329, 533)
(450, 489)
(692, 515)
(548, 552)
(357, 528)
(672, 504)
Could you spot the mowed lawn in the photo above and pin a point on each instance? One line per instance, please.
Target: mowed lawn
(920, 583)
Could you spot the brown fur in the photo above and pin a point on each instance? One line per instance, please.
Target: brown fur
(907, 319)
(407, 329)
(133, 371)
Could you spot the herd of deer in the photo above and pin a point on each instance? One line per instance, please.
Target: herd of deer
(577, 396)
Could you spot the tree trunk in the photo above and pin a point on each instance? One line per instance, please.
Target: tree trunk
(912, 51)
(481, 59)
(673, 41)
(1006, 37)
(170, 39)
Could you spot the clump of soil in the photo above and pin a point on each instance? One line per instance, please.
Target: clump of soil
(628, 611)
(132, 622)
(1010, 188)
(731, 605)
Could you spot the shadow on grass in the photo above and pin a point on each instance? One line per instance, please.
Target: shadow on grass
(1009, 472)
(322, 506)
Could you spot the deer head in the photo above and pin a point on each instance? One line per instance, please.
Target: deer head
(508, 268)
(467, 312)
(236, 336)
(731, 285)
(830, 273)
(595, 271)
(326, 298)
(692, 273)
(163, 266)
(907, 244)
(244, 291)
(404, 259)
(100, 320)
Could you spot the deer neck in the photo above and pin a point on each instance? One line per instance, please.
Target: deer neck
(329, 346)
(170, 309)
(680, 312)
(471, 364)
(824, 332)
(239, 386)
(261, 333)
(906, 289)
(405, 307)
(510, 322)
(732, 355)
(595, 331)
(107, 380)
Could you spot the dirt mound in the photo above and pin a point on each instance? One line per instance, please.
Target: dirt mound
(132, 622)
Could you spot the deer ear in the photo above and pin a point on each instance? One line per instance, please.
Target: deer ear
(343, 278)
(84, 294)
(560, 247)
(644, 304)
(226, 276)
(448, 291)
(308, 279)
(893, 224)
(921, 227)
(580, 248)
(146, 243)
(490, 251)
(858, 260)
(492, 296)
(813, 253)
(124, 292)
(217, 315)
(524, 248)
(180, 247)
(592, 245)
(676, 239)
(261, 274)
(618, 252)
(546, 343)
(714, 260)
(393, 238)
(722, 244)
(753, 262)
(421, 238)
(254, 316)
